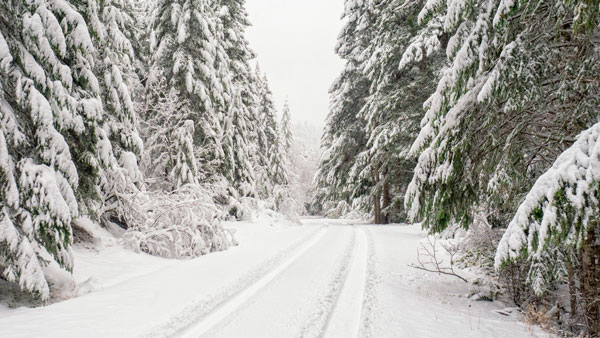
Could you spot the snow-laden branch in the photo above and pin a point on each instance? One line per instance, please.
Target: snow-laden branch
(560, 205)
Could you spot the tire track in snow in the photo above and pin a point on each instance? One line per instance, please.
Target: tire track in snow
(226, 308)
(370, 300)
(345, 321)
(201, 308)
(315, 325)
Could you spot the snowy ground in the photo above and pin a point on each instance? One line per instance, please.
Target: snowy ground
(323, 279)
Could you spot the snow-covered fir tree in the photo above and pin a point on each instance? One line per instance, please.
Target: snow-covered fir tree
(185, 63)
(393, 109)
(561, 212)
(287, 138)
(242, 117)
(186, 166)
(270, 161)
(344, 136)
(51, 115)
(120, 173)
(503, 110)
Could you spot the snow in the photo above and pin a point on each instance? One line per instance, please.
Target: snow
(239, 299)
(413, 303)
(577, 172)
(428, 9)
(324, 278)
(128, 161)
(455, 10)
(5, 57)
(346, 318)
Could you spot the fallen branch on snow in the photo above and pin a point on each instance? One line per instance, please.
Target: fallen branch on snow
(433, 263)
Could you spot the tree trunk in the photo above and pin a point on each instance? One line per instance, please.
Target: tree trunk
(386, 201)
(590, 283)
(572, 289)
(376, 198)
(377, 208)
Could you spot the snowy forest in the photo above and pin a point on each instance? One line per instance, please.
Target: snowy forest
(144, 116)
(478, 116)
(151, 122)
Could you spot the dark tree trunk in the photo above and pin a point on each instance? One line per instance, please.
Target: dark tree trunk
(386, 201)
(572, 289)
(377, 208)
(590, 282)
(376, 198)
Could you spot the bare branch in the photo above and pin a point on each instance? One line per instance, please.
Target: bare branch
(432, 263)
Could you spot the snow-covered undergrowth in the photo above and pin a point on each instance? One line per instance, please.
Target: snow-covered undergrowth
(181, 224)
(469, 254)
(413, 303)
(187, 222)
(121, 293)
(343, 210)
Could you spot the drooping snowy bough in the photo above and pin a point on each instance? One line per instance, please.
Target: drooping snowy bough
(562, 206)
(562, 211)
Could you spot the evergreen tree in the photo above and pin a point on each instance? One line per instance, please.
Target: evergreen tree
(287, 138)
(185, 170)
(270, 159)
(238, 137)
(241, 119)
(505, 108)
(344, 136)
(393, 109)
(21, 264)
(187, 63)
(561, 211)
(121, 145)
(51, 110)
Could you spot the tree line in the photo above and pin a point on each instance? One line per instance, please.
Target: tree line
(453, 113)
(142, 116)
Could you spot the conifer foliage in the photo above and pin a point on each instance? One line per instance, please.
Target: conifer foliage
(51, 111)
(141, 126)
(475, 110)
(376, 110)
(286, 128)
(344, 137)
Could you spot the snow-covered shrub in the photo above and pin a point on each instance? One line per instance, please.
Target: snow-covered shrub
(478, 244)
(484, 289)
(230, 205)
(244, 208)
(357, 214)
(513, 279)
(333, 210)
(281, 202)
(181, 224)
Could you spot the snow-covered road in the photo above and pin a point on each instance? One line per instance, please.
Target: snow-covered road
(324, 279)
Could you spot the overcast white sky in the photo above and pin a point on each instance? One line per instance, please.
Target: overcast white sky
(295, 41)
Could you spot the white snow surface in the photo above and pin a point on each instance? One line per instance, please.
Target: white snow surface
(324, 278)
